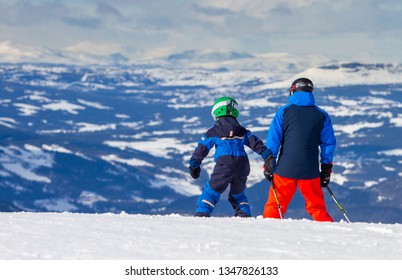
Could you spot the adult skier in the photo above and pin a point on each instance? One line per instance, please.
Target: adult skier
(232, 163)
(302, 134)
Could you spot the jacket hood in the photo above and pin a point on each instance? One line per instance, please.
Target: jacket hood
(302, 98)
(227, 124)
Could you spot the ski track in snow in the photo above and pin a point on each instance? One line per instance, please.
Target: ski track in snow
(67, 236)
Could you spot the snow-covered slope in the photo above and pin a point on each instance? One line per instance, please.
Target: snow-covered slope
(49, 236)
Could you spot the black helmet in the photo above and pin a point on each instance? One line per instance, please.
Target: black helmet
(301, 84)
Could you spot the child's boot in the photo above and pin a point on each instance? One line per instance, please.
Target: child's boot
(240, 205)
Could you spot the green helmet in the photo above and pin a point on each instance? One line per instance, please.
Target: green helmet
(224, 106)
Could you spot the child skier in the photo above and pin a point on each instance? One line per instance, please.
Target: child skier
(232, 164)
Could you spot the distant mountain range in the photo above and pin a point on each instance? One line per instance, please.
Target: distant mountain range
(116, 136)
(17, 53)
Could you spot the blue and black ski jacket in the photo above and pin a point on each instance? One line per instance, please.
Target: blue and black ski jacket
(302, 134)
(229, 139)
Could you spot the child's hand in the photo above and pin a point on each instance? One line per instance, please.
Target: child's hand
(195, 172)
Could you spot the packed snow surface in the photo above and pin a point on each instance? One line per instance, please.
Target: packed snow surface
(67, 236)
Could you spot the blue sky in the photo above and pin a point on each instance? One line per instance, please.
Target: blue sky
(342, 29)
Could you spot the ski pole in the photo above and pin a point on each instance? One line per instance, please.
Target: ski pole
(337, 203)
(276, 199)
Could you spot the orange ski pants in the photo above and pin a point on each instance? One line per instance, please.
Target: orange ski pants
(286, 188)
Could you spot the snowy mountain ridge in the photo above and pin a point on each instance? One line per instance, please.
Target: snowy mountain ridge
(275, 70)
(17, 53)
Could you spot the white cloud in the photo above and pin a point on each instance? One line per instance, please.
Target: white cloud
(258, 8)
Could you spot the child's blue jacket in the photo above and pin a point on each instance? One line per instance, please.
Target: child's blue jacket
(229, 139)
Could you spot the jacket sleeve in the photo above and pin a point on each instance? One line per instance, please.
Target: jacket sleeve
(275, 133)
(256, 144)
(204, 146)
(328, 141)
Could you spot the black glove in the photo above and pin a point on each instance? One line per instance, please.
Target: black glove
(269, 167)
(195, 172)
(325, 175)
